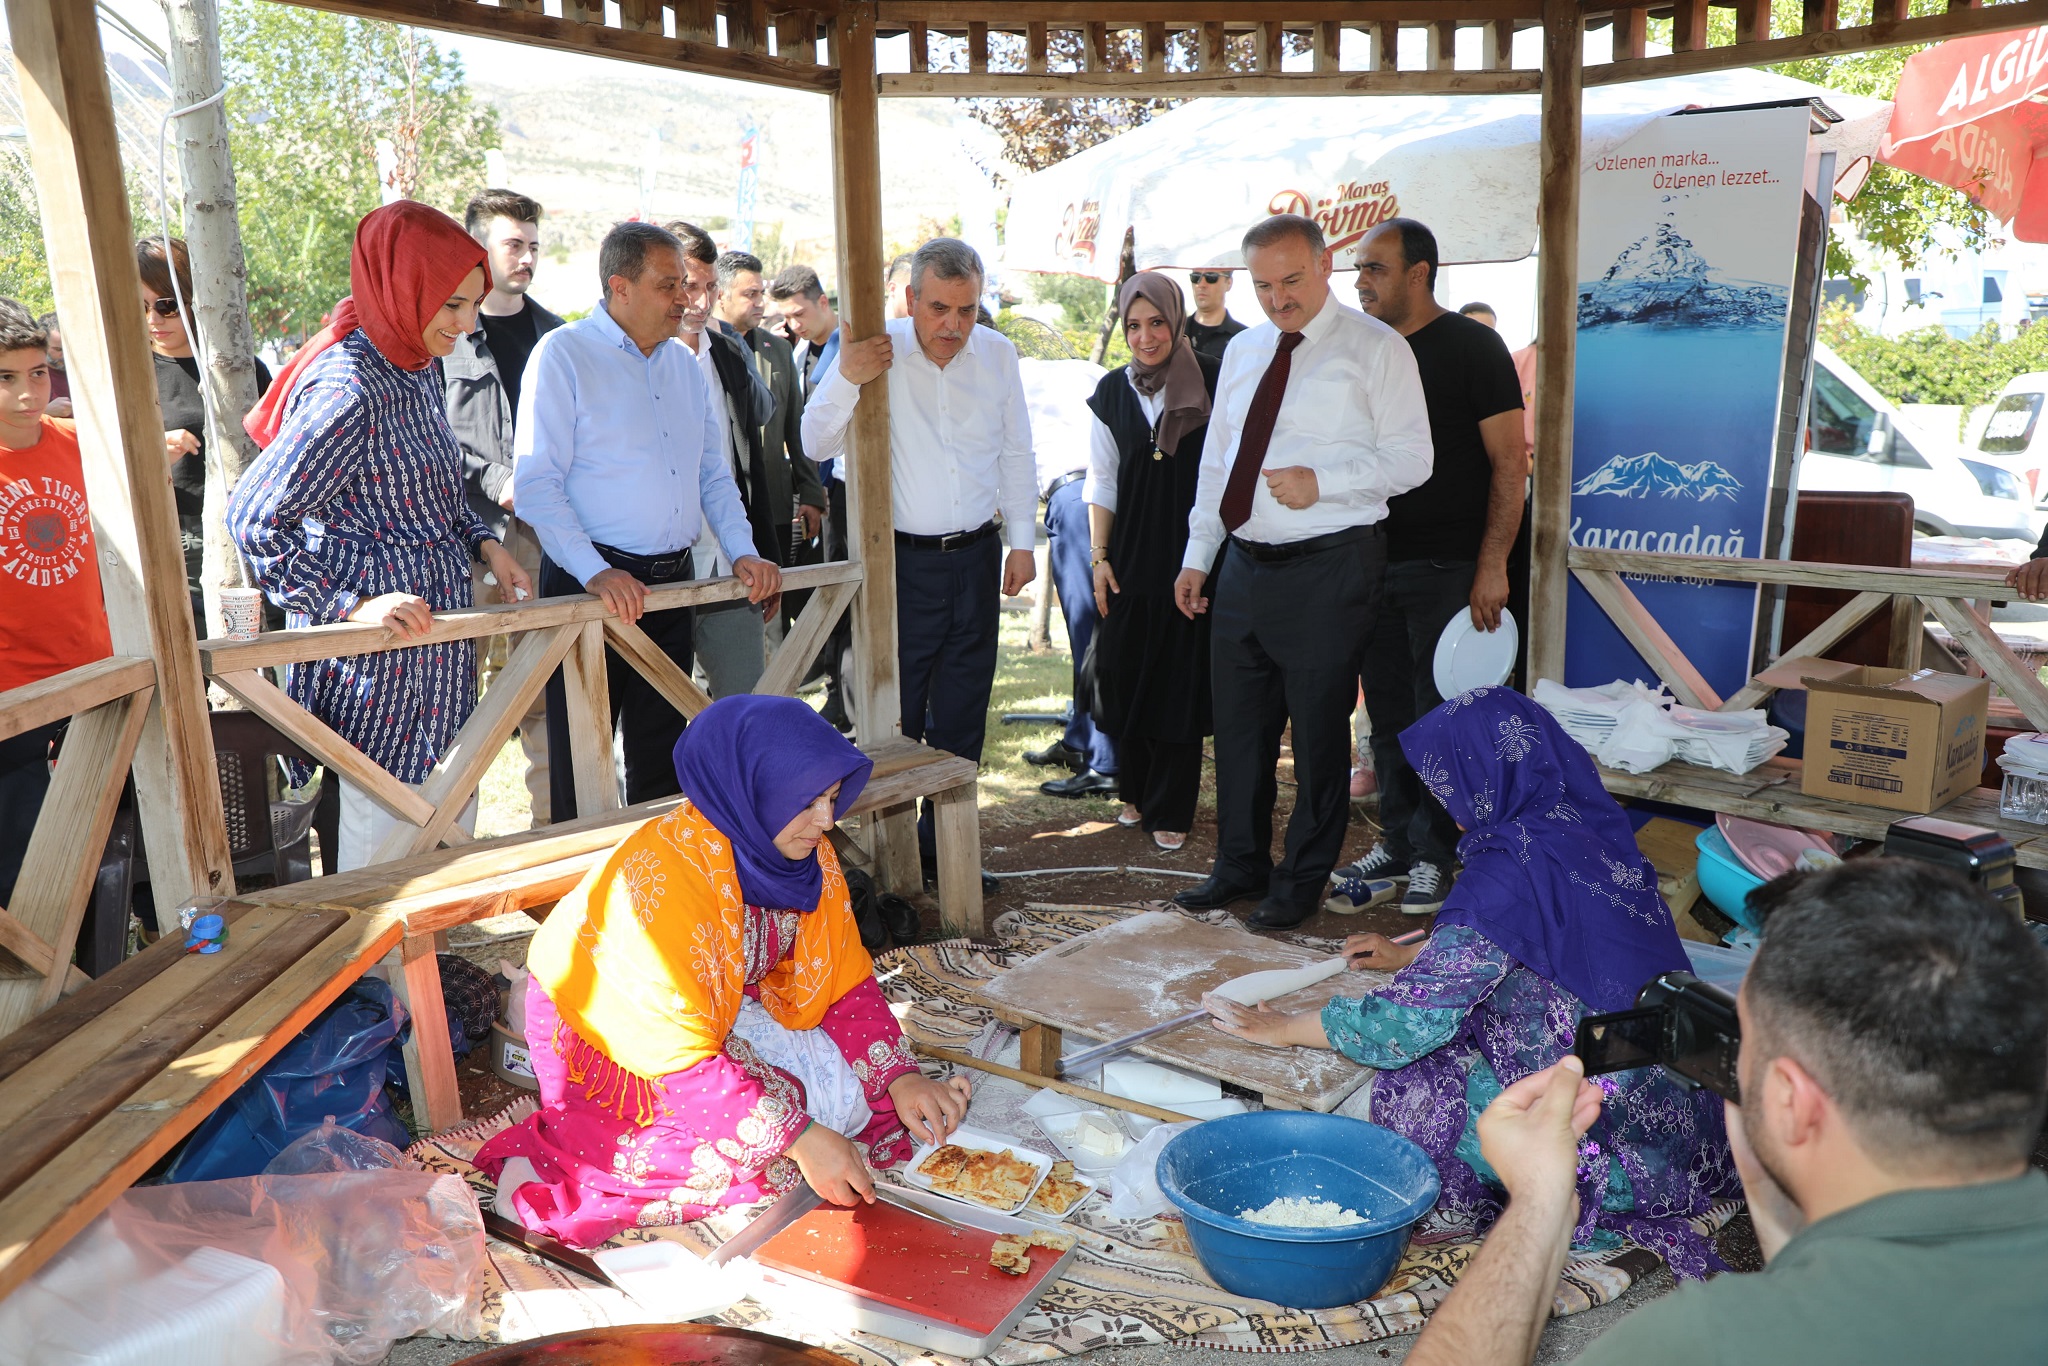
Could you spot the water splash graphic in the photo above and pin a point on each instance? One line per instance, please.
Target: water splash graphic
(1661, 278)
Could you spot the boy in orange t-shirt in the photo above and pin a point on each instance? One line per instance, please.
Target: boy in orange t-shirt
(52, 616)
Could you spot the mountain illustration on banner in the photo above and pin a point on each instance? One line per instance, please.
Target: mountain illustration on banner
(1639, 476)
(1661, 278)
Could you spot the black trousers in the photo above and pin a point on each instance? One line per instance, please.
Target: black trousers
(835, 539)
(1419, 598)
(1285, 646)
(24, 783)
(1162, 778)
(647, 726)
(946, 616)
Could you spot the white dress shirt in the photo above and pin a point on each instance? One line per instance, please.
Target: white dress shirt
(1103, 456)
(620, 448)
(1353, 412)
(959, 436)
(1057, 392)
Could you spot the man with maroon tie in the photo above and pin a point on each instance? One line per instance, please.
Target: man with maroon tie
(1319, 418)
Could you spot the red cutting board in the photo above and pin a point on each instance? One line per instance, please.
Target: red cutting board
(902, 1259)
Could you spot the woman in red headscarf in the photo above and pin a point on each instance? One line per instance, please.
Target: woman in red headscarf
(355, 509)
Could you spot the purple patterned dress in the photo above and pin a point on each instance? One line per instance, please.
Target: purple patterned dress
(1465, 1020)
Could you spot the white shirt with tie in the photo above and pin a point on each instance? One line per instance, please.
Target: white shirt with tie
(1353, 411)
(959, 435)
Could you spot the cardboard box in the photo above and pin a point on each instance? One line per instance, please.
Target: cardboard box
(1883, 737)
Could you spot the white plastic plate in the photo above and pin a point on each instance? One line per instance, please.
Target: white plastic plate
(986, 1142)
(1468, 658)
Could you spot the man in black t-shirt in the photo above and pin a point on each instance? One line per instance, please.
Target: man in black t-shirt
(482, 376)
(1447, 549)
(1210, 326)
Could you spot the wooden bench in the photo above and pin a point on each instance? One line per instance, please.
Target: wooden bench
(531, 871)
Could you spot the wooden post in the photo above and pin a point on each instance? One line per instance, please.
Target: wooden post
(91, 244)
(1556, 336)
(857, 173)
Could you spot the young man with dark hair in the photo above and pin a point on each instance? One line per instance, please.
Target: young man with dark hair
(1894, 1075)
(1447, 551)
(620, 465)
(60, 380)
(1210, 326)
(896, 281)
(52, 616)
(1481, 313)
(483, 375)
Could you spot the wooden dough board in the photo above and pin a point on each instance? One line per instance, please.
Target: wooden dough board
(1123, 977)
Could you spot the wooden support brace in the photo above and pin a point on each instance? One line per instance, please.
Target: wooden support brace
(476, 745)
(977, 47)
(1649, 637)
(920, 48)
(1631, 33)
(1327, 41)
(956, 830)
(62, 860)
(1752, 21)
(415, 976)
(1094, 47)
(1268, 44)
(746, 25)
(1820, 16)
(1212, 49)
(1155, 48)
(640, 16)
(1689, 25)
(51, 699)
(1883, 12)
(27, 956)
(586, 692)
(1557, 214)
(583, 11)
(652, 663)
(1908, 632)
(806, 636)
(1386, 47)
(796, 34)
(1034, 48)
(2015, 679)
(696, 20)
(256, 692)
(1443, 45)
(1498, 49)
(1814, 643)
(1038, 1050)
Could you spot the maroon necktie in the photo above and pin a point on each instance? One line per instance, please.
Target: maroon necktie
(1258, 432)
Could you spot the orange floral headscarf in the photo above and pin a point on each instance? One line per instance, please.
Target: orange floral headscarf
(646, 959)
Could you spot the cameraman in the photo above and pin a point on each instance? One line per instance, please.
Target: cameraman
(1894, 1074)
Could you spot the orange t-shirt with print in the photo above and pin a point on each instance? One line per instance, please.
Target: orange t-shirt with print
(52, 616)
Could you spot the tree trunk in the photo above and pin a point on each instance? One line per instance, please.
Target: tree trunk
(1126, 267)
(220, 306)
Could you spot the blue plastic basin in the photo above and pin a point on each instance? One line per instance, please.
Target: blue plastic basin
(1724, 880)
(1218, 1169)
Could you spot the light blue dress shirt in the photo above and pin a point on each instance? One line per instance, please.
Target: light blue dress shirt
(612, 448)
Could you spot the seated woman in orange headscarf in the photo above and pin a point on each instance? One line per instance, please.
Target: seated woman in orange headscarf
(704, 1023)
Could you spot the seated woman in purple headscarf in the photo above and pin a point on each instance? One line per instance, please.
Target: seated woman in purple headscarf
(1556, 915)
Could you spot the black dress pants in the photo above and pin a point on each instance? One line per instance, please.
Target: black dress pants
(647, 725)
(1285, 646)
(1418, 598)
(24, 783)
(946, 623)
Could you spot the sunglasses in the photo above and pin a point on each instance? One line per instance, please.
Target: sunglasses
(1208, 277)
(164, 308)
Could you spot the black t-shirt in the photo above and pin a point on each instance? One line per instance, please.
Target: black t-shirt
(177, 393)
(1210, 341)
(511, 339)
(1467, 376)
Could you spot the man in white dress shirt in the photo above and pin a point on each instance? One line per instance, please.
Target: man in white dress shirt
(1319, 418)
(619, 463)
(960, 445)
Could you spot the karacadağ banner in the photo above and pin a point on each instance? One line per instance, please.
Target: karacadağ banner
(1688, 239)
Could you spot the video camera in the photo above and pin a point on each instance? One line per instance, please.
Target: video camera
(1689, 1027)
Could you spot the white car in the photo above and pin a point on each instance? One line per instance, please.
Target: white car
(1857, 441)
(2013, 433)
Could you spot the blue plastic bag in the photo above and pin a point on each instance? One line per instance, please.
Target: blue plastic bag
(335, 1067)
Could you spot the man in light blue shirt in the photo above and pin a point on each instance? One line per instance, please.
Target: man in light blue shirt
(618, 466)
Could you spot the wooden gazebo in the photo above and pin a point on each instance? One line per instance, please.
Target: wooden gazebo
(99, 1078)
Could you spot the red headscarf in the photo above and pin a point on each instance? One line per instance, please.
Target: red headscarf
(408, 259)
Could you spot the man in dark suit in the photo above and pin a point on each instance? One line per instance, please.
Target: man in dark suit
(808, 312)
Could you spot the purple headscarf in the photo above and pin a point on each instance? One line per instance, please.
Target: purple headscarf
(750, 764)
(1552, 873)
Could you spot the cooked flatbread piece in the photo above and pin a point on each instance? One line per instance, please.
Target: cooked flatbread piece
(1011, 1256)
(999, 1180)
(1050, 1241)
(1059, 1192)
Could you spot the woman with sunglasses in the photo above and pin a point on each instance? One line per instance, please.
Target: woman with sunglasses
(1151, 663)
(179, 392)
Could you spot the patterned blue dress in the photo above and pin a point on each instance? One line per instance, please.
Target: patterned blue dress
(360, 495)
(1465, 1020)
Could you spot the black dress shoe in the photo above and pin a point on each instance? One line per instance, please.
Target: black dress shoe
(899, 917)
(1058, 754)
(1080, 785)
(1211, 893)
(1274, 914)
(989, 885)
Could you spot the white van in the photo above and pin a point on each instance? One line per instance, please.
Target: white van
(1856, 441)
(2013, 433)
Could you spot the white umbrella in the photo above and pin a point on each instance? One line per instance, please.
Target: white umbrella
(1192, 180)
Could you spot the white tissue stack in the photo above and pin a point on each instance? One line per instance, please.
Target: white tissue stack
(1635, 729)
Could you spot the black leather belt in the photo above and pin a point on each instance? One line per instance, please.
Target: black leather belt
(1294, 550)
(668, 568)
(952, 540)
(1069, 477)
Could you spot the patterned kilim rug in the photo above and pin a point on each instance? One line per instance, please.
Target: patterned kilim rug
(1135, 1282)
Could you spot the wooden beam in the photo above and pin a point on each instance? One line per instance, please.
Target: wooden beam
(1557, 323)
(920, 48)
(27, 956)
(273, 648)
(1688, 26)
(415, 976)
(595, 39)
(1034, 48)
(1269, 41)
(954, 15)
(1155, 48)
(1816, 16)
(1631, 33)
(1752, 21)
(1212, 49)
(696, 20)
(806, 636)
(1818, 641)
(1852, 578)
(1386, 46)
(75, 690)
(1497, 53)
(638, 16)
(796, 32)
(343, 760)
(1177, 85)
(1094, 47)
(1925, 28)
(587, 694)
(63, 857)
(956, 830)
(1443, 45)
(652, 663)
(977, 46)
(42, 1215)
(2015, 679)
(75, 153)
(1649, 638)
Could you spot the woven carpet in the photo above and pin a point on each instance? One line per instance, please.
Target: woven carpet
(1135, 1281)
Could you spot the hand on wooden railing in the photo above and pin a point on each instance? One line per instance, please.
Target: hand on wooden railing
(2031, 579)
(402, 614)
(624, 596)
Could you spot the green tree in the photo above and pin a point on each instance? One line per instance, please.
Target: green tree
(311, 95)
(24, 274)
